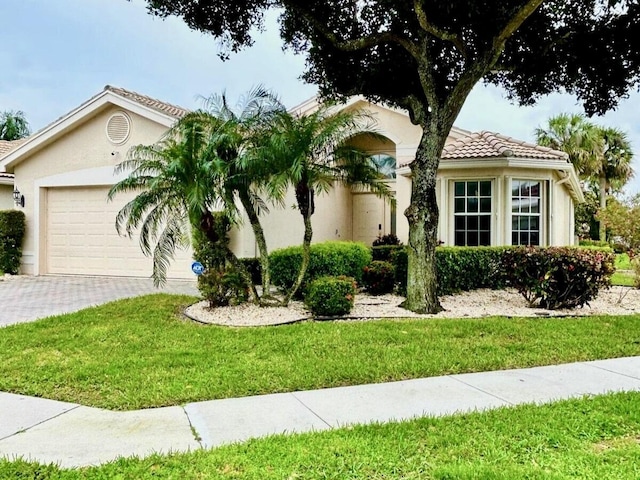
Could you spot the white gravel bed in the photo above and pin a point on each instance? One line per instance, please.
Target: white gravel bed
(478, 303)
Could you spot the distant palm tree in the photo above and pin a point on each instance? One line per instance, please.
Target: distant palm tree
(614, 168)
(602, 156)
(577, 137)
(13, 126)
(309, 153)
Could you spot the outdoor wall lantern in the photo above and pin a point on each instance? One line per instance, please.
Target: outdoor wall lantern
(18, 198)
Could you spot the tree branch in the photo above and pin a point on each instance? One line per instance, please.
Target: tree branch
(428, 27)
(353, 45)
(514, 23)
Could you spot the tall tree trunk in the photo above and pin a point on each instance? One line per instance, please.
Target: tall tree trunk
(261, 241)
(602, 230)
(306, 205)
(423, 215)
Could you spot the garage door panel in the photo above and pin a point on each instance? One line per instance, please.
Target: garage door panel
(81, 237)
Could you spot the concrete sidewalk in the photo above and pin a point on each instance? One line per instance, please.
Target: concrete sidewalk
(73, 435)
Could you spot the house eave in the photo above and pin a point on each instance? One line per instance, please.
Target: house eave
(76, 117)
(564, 168)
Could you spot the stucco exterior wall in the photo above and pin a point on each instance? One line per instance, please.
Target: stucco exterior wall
(6, 197)
(283, 226)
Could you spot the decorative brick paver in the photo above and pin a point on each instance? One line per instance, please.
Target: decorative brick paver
(26, 298)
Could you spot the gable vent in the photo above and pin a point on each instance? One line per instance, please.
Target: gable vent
(118, 128)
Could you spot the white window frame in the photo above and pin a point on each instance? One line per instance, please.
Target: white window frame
(493, 225)
(543, 213)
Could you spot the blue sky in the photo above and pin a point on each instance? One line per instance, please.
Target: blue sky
(54, 55)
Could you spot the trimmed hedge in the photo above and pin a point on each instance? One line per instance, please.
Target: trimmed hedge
(332, 258)
(558, 277)
(12, 228)
(331, 296)
(458, 269)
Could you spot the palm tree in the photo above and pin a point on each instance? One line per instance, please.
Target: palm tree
(602, 156)
(309, 153)
(180, 183)
(614, 167)
(13, 126)
(245, 171)
(577, 137)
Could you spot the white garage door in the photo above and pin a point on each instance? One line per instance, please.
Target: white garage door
(81, 238)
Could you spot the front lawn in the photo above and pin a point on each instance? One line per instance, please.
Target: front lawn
(623, 279)
(139, 353)
(622, 262)
(589, 439)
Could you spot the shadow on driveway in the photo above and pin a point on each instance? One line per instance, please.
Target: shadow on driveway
(27, 298)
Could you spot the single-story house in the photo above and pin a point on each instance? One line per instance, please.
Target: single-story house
(492, 190)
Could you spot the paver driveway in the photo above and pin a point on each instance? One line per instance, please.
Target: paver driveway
(25, 298)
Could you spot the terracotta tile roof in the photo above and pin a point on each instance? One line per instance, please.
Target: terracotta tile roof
(6, 175)
(158, 105)
(489, 145)
(7, 146)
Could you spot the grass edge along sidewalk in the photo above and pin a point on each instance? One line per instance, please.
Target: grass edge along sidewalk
(589, 438)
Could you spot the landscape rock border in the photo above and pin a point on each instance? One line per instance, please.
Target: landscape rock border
(474, 304)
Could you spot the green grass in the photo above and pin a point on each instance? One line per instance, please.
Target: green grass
(624, 275)
(623, 279)
(138, 353)
(594, 438)
(622, 262)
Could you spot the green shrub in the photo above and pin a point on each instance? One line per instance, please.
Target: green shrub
(331, 296)
(212, 254)
(602, 248)
(223, 287)
(400, 261)
(462, 269)
(388, 239)
(327, 259)
(619, 248)
(378, 277)
(220, 284)
(458, 269)
(12, 228)
(384, 252)
(558, 277)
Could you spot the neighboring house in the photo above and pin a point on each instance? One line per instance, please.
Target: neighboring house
(492, 190)
(6, 179)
